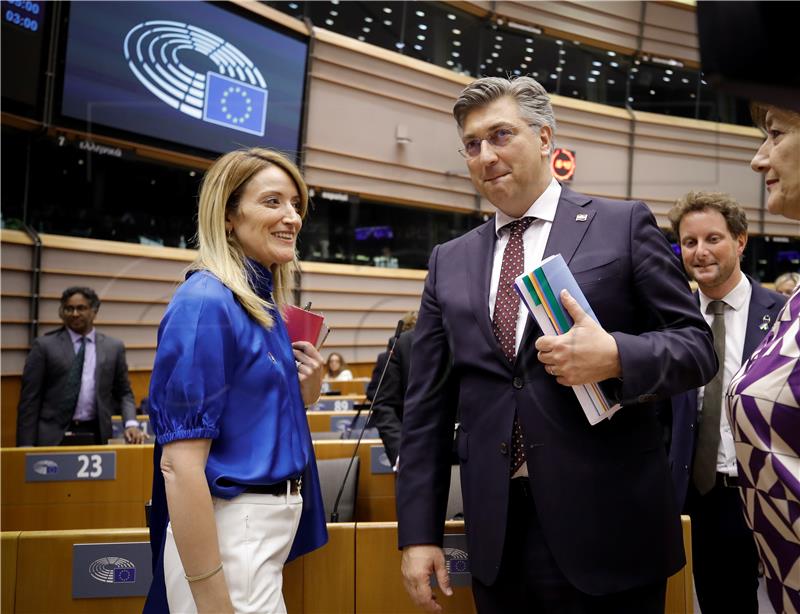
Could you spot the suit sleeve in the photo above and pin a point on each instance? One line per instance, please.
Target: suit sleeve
(387, 403)
(674, 351)
(428, 419)
(30, 399)
(121, 390)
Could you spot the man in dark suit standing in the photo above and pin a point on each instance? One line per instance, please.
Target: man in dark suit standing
(561, 516)
(74, 379)
(712, 231)
(387, 409)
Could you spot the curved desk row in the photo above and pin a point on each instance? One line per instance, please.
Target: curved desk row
(358, 571)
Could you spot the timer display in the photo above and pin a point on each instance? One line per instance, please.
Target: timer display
(23, 13)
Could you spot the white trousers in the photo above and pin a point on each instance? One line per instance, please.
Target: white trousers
(255, 533)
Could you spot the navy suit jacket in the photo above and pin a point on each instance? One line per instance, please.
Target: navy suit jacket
(603, 493)
(683, 436)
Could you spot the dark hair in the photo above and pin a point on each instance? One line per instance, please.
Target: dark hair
(531, 98)
(88, 293)
(724, 204)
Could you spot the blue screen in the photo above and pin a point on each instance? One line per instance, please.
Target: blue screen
(187, 72)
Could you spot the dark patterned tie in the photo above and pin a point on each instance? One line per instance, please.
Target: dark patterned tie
(504, 319)
(704, 469)
(74, 377)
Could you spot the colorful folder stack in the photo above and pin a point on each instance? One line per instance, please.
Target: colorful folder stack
(540, 291)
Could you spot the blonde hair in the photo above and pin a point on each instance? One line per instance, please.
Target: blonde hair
(220, 253)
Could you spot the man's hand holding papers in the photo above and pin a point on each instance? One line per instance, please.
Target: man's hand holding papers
(586, 354)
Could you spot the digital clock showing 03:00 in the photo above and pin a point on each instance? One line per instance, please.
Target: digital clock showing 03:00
(23, 13)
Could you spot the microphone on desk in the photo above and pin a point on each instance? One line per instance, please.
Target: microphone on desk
(395, 337)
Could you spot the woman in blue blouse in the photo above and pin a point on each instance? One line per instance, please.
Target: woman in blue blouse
(227, 396)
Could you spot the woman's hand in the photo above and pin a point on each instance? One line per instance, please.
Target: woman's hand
(309, 370)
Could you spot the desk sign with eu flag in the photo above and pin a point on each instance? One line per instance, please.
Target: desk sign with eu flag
(70, 466)
(456, 559)
(111, 570)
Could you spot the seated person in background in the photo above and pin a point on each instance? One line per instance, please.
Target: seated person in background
(74, 379)
(786, 283)
(336, 369)
(409, 321)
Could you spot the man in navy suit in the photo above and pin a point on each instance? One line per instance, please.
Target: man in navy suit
(587, 522)
(712, 230)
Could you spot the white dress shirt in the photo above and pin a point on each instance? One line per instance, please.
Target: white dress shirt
(736, 312)
(534, 241)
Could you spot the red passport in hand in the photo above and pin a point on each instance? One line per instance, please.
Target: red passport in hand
(305, 325)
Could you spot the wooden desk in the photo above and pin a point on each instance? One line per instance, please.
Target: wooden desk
(323, 582)
(37, 573)
(376, 499)
(76, 505)
(379, 585)
(356, 385)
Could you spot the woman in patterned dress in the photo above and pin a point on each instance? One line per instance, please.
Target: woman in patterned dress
(764, 396)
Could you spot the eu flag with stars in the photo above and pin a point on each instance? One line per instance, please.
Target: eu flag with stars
(234, 104)
(124, 574)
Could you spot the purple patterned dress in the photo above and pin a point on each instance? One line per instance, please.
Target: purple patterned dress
(764, 411)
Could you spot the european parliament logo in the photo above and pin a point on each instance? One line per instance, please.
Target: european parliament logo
(112, 570)
(235, 96)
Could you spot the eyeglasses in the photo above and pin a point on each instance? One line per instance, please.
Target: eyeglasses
(70, 309)
(497, 138)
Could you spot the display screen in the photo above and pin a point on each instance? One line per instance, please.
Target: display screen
(22, 41)
(190, 73)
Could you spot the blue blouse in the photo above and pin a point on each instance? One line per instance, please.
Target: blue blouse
(220, 375)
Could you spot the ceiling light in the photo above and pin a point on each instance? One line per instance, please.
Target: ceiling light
(400, 45)
(692, 95)
(528, 58)
(495, 54)
(489, 60)
(456, 43)
(574, 92)
(634, 69)
(535, 74)
(451, 17)
(329, 22)
(666, 79)
(498, 38)
(293, 5)
(456, 31)
(334, 13)
(387, 22)
(418, 47)
(595, 72)
(455, 54)
(611, 82)
(529, 41)
(449, 62)
(611, 53)
(559, 69)
(668, 71)
(592, 80)
(523, 66)
(596, 63)
(368, 19)
(498, 46)
(652, 92)
(553, 76)
(572, 77)
(387, 10)
(630, 98)
(420, 37)
(361, 38)
(558, 42)
(614, 64)
(422, 26)
(684, 80)
(365, 29)
(420, 14)
(562, 61)
(528, 49)
(517, 71)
